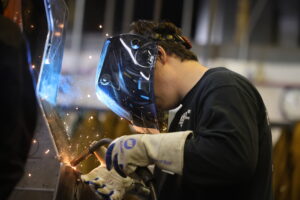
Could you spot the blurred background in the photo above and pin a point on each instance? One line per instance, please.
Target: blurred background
(259, 39)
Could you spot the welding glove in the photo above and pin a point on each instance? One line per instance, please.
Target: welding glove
(165, 150)
(108, 184)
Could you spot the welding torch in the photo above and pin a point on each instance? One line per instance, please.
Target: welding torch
(93, 149)
(96, 149)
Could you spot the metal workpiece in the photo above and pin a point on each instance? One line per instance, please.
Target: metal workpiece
(70, 186)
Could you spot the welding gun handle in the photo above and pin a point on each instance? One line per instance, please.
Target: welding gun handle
(145, 174)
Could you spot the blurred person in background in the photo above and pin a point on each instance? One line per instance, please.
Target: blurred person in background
(218, 145)
(18, 102)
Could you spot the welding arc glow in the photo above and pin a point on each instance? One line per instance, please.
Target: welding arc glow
(47, 61)
(48, 82)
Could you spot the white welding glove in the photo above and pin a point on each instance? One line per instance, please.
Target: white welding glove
(107, 184)
(165, 150)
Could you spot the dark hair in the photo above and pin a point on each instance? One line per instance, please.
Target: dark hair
(167, 35)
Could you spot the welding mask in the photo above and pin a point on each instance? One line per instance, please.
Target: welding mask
(124, 81)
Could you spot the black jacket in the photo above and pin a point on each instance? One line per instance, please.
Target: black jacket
(18, 106)
(229, 154)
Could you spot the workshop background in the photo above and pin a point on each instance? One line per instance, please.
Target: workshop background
(259, 39)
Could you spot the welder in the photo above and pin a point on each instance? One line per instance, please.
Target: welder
(218, 145)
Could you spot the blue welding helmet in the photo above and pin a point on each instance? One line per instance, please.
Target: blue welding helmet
(124, 80)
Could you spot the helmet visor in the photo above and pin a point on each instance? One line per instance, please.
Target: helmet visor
(125, 78)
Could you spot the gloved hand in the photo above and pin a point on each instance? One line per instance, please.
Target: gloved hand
(108, 184)
(165, 150)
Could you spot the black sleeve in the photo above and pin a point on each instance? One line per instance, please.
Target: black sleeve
(224, 148)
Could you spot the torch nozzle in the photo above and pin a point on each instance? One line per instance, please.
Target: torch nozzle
(86, 153)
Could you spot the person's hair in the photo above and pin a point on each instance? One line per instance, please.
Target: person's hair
(167, 35)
